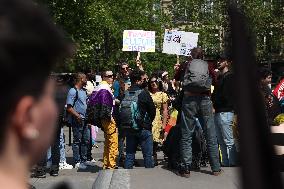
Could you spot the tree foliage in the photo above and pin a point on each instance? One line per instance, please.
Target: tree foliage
(96, 28)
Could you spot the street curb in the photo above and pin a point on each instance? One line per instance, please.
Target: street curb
(112, 179)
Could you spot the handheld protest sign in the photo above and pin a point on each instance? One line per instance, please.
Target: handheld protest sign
(139, 40)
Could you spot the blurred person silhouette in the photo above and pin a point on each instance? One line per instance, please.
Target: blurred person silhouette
(30, 45)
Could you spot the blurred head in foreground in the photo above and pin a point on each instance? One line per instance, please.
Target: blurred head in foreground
(30, 45)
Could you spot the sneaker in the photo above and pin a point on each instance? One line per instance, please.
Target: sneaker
(90, 163)
(185, 174)
(38, 174)
(65, 165)
(80, 166)
(217, 173)
(53, 173)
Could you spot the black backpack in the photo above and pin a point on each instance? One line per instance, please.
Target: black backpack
(129, 111)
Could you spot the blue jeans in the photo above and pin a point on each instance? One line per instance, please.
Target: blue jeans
(145, 139)
(224, 123)
(61, 149)
(201, 107)
(81, 141)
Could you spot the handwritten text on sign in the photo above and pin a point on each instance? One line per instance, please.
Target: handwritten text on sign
(139, 40)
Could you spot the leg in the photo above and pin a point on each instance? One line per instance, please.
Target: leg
(146, 141)
(105, 156)
(62, 147)
(155, 156)
(89, 152)
(121, 139)
(187, 125)
(227, 133)
(218, 124)
(210, 132)
(85, 142)
(55, 154)
(131, 146)
(76, 143)
(113, 145)
(48, 156)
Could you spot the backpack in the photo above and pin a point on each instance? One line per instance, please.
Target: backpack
(129, 111)
(67, 117)
(196, 77)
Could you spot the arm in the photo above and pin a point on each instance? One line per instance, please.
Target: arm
(71, 97)
(165, 100)
(165, 114)
(139, 65)
(212, 74)
(228, 90)
(106, 105)
(146, 105)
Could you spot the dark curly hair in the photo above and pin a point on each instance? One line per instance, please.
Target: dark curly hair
(160, 84)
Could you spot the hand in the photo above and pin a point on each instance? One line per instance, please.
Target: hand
(176, 67)
(139, 64)
(117, 102)
(79, 119)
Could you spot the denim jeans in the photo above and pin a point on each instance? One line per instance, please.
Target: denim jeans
(53, 153)
(201, 107)
(224, 123)
(145, 139)
(81, 141)
(121, 139)
(62, 147)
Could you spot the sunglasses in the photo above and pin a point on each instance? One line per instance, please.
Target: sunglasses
(109, 76)
(126, 68)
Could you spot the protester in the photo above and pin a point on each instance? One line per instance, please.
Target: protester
(224, 111)
(121, 84)
(76, 107)
(102, 101)
(197, 103)
(137, 120)
(272, 105)
(160, 100)
(29, 49)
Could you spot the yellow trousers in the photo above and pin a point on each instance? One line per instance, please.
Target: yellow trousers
(111, 144)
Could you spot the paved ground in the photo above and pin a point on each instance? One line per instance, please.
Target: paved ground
(138, 178)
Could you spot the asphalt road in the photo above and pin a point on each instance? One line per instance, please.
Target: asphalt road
(138, 178)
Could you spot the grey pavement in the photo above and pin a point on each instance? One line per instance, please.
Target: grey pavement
(138, 178)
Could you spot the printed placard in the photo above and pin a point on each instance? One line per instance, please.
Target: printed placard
(139, 40)
(179, 42)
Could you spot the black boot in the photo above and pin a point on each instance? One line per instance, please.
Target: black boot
(54, 170)
(38, 172)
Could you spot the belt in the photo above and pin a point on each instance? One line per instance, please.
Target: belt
(188, 93)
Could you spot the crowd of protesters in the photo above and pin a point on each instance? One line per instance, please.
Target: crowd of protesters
(192, 117)
(138, 112)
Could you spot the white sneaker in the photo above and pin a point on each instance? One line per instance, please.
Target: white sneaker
(90, 163)
(80, 166)
(65, 165)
